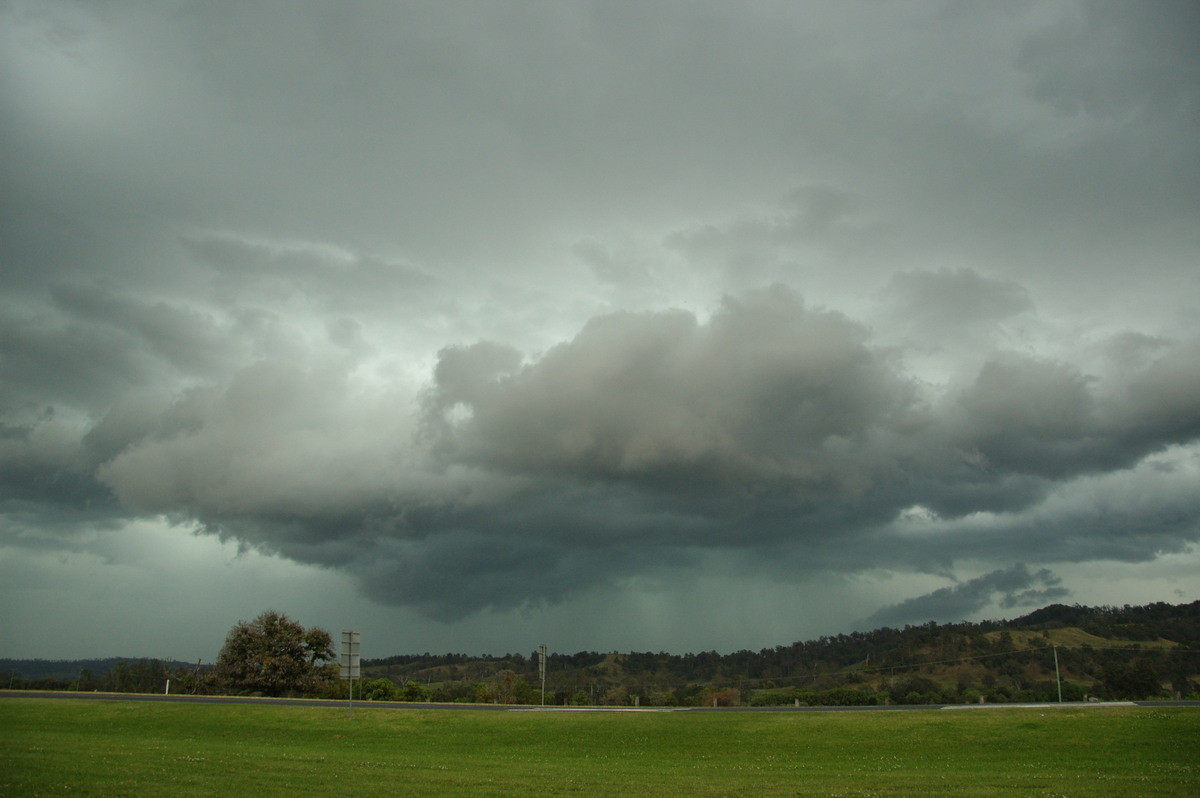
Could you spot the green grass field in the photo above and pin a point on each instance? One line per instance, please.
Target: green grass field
(100, 748)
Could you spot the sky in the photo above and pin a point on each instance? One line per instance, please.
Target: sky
(614, 326)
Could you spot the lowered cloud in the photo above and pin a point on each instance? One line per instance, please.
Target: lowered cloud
(1009, 587)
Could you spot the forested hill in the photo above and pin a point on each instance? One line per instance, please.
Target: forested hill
(1102, 627)
(1072, 652)
(1097, 648)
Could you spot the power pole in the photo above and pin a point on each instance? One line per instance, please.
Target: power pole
(542, 670)
(1057, 678)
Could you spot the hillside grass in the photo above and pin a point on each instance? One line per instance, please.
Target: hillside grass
(118, 748)
(1074, 637)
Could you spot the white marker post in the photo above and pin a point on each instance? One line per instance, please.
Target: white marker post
(350, 664)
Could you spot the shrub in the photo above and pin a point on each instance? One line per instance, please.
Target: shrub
(414, 691)
(379, 690)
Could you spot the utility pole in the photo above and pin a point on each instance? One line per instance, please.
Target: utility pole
(1057, 678)
(542, 670)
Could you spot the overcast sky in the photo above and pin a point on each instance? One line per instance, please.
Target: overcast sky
(607, 325)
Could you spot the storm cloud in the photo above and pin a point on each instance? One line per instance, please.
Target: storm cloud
(1016, 586)
(493, 317)
(647, 436)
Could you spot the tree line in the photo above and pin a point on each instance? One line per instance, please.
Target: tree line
(1076, 652)
(1106, 653)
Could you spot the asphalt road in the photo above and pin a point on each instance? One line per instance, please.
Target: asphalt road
(311, 702)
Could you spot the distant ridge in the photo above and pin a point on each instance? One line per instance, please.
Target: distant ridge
(1097, 649)
(69, 669)
(1071, 651)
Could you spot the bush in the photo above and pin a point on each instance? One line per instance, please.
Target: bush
(665, 698)
(379, 690)
(717, 697)
(413, 691)
(773, 698)
(849, 697)
(454, 692)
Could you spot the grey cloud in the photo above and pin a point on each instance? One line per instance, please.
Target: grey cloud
(188, 340)
(332, 279)
(1046, 418)
(951, 304)
(48, 492)
(464, 375)
(1029, 415)
(572, 112)
(1157, 71)
(1132, 514)
(770, 425)
(767, 393)
(771, 393)
(277, 438)
(64, 359)
(520, 558)
(86, 346)
(1161, 399)
(303, 277)
(820, 216)
(1011, 587)
(42, 458)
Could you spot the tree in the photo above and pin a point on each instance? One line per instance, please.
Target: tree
(1138, 681)
(379, 690)
(274, 655)
(413, 691)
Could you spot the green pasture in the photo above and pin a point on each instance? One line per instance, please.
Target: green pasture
(115, 747)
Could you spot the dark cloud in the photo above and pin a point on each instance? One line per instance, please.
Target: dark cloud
(46, 473)
(1046, 418)
(432, 293)
(945, 303)
(1161, 398)
(1157, 73)
(1030, 416)
(1009, 587)
(771, 424)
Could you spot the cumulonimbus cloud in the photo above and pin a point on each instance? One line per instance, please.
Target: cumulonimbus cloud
(644, 437)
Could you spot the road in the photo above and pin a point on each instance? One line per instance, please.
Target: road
(313, 702)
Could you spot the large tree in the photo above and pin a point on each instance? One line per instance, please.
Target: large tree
(274, 655)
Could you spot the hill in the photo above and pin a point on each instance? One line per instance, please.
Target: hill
(1073, 651)
(1103, 652)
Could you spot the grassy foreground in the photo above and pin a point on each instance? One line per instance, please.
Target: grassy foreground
(100, 748)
